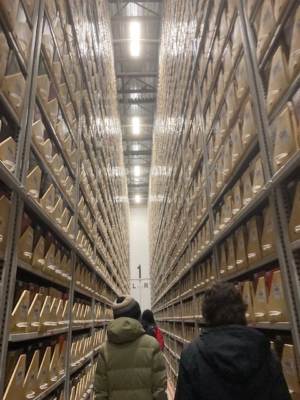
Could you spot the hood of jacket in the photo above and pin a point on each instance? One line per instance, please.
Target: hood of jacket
(145, 324)
(124, 330)
(234, 352)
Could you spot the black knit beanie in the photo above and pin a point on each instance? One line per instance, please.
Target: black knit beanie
(126, 306)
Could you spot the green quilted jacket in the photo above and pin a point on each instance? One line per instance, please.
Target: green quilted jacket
(131, 365)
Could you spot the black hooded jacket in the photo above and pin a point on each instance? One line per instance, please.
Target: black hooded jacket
(230, 363)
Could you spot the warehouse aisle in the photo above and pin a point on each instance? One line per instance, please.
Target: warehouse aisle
(190, 108)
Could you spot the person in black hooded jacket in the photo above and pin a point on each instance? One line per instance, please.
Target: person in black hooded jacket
(229, 361)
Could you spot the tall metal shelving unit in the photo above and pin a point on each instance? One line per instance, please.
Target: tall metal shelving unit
(187, 256)
(68, 131)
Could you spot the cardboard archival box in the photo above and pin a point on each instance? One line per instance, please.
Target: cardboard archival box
(9, 11)
(258, 175)
(267, 28)
(59, 35)
(18, 319)
(53, 368)
(46, 151)
(47, 201)
(220, 88)
(251, 6)
(294, 60)
(25, 245)
(56, 70)
(277, 305)
(278, 81)
(223, 261)
(237, 145)
(260, 304)
(248, 295)
(45, 315)
(237, 198)
(15, 389)
(4, 220)
(33, 182)
(37, 133)
(29, 5)
(53, 313)
(47, 47)
(4, 52)
(294, 224)
(236, 39)
(43, 380)
(56, 164)
(268, 239)
(43, 88)
(242, 79)
(247, 187)
(227, 215)
(220, 177)
(254, 240)
(52, 111)
(289, 369)
(249, 130)
(231, 257)
(287, 137)
(227, 63)
(23, 37)
(279, 8)
(34, 314)
(8, 153)
(30, 382)
(227, 161)
(213, 185)
(49, 266)
(63, 93)
(57, 211)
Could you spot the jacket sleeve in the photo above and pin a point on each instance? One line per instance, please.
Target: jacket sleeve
(280, 389)
(159, 375)
(160, 339)
(100, 381)
(184, 389)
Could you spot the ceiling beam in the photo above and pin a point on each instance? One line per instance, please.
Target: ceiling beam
(142, 59)
(137, 153)
(137, 101)
(140, 18)
(140, 40)
(133, 91)
(140, 116)
(137, 138)
(139, 1)
(141, 126)
(138, 185)
(136, 74)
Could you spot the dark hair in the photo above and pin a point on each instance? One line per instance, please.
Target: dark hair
(148, 317)
(134, 313)
(223, 305)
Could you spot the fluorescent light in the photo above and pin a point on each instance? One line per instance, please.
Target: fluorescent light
(137, 170)
(137, 198)
(136, 125)
(135, 39)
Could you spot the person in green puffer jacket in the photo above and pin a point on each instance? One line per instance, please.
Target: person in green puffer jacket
(131, 365)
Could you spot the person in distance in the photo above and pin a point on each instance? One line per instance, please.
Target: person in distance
(229, 360)
(151, 329)
(131, 365)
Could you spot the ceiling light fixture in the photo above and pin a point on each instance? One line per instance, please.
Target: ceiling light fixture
(136, 125)
(135, 39)
(137, 198)
(137, 170)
